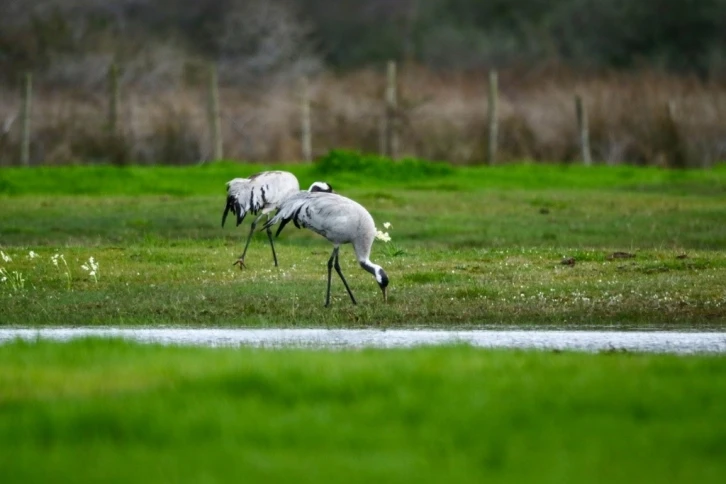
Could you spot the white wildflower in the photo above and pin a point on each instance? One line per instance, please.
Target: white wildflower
(383, 236)
(391, 249)
(32, 255)
(91, 267)
(5, 257)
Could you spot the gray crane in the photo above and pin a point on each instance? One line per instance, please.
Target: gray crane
(341, 221)
(260, 194)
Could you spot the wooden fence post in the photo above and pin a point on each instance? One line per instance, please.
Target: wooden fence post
(583, 130)
(675, 148)
(114, 99)
(493, 117)
(26, 110)
(305, 129)
(391, 111)
(215, 121)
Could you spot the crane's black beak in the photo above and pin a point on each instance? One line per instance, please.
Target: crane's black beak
(385, 298)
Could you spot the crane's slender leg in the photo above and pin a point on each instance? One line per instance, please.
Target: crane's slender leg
(337, 269)
(241, 260)
(330, 273)
(272, 244)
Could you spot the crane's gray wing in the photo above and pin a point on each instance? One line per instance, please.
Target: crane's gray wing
(290, 210)
(323, 213)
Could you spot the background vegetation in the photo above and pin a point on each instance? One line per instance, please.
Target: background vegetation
(255, 37)
(651, 74)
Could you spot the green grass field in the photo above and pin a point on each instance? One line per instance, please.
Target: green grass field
(107, 411)
(470, 246)
(477, 246)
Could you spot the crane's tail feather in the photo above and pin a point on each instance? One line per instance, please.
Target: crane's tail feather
(270, 223)
(234, 206)
(282, 226)
(273, 221)
(227, 208)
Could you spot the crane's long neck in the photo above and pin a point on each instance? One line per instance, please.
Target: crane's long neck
(369, 266)
(363, 253)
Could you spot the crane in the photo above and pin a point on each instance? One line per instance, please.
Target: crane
(260, 194)
(340, 220)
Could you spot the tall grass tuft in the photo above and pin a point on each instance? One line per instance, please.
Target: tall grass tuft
(344, 161)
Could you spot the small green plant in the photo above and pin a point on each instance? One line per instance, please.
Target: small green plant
(14, 279)
(54, 259)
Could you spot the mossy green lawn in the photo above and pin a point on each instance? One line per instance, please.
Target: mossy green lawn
(470, 246)
(109, 411)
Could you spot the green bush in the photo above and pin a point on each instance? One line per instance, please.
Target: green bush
(337, 162)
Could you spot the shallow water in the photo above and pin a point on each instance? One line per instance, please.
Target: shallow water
(641, 341)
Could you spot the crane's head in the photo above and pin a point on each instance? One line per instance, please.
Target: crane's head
(320, 186)
(378, 273)
(382, 280)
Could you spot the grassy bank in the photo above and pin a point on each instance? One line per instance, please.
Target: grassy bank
(111, 411)
(469, 246)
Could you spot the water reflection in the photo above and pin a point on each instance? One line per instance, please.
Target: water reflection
(659, 342)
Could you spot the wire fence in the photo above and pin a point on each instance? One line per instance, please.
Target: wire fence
(490, 118)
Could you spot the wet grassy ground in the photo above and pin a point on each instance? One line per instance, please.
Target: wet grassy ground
(469, 247)
(473, 246)
(110, 411)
